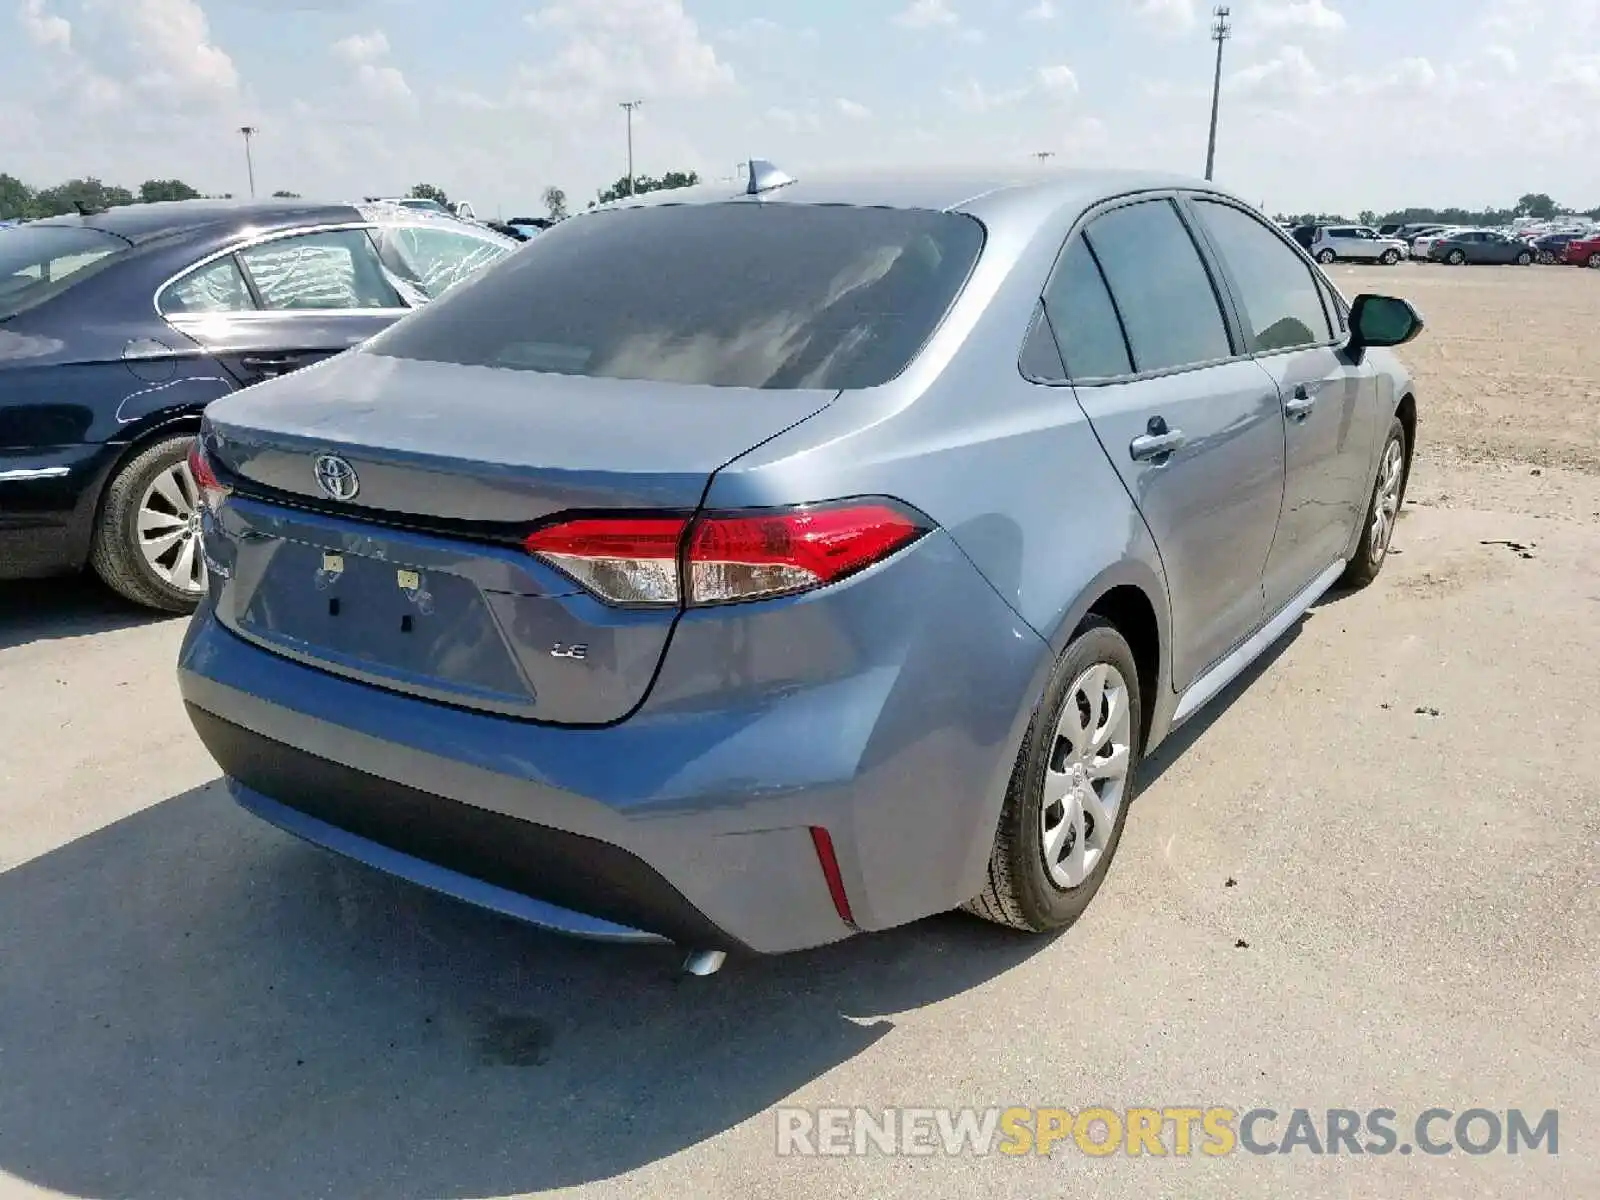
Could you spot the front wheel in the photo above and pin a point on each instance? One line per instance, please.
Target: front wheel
(1383, 511)
(1390, 257)
(1326, 256)
(1524, 259)
(147, 541)
(1457, 257)
(1070, 790)
(1594, 261)
(1546, 259)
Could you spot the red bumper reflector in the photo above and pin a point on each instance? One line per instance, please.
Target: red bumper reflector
(830, 871)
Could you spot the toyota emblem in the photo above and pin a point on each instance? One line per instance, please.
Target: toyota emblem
(337, 477)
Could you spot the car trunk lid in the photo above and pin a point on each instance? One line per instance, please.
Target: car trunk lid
(417, 580)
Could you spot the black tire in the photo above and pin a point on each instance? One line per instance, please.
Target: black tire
(1020, 892)
(115, 555)
(1524, 259)
(1326, 256)
(1594, 261)
(1457, 258)
(1546, 258)
(1390, 257)
(1369, 559)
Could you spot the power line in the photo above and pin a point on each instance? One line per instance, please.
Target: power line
(1221, 31)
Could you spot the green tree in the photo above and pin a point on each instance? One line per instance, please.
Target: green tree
(1537, 205)
(555, 202)
(90, 193)
(286, 195)
(16, 199)
(426, 191)
(153, 190)
(644, 183)
(1368, 217)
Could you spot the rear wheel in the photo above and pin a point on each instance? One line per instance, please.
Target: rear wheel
(1383, 511)
(1456, 258)
(1546, 258)
(147, 542)
(1390, 257)
(1070, 790)
(1524, 259)
(1594, 261)
(1326, 256)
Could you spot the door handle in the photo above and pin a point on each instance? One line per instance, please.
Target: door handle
(269, 364)
(1151, 446)
(1298, 407)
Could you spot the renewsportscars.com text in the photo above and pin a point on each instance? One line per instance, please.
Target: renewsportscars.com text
(1167, 1131)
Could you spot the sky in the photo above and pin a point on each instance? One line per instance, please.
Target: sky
(1327, 105)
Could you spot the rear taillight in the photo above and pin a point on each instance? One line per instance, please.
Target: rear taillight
(724, 557)
(212, 490)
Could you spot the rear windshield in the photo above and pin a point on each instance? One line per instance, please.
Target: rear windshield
(41, 261)
(731, 295)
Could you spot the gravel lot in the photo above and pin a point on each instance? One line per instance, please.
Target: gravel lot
(193, 1005)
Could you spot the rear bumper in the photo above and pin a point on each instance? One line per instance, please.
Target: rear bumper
(692, 819)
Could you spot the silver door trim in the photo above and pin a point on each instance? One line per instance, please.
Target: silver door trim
(1203, 690)
(23, 474)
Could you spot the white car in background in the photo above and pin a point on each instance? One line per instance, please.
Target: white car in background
(1424, 244)
(1355, 242)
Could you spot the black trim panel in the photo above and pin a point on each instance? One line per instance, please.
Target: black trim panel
(566, 869)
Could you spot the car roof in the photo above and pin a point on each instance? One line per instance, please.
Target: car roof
(937, 188)
(146, 222)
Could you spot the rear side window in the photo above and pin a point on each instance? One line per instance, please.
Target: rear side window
(435, 260)
(1161, 287)
(41, 261)
(216, 288)
(338, 269)
(1281, 298)
(733, 295)
(1084, 319)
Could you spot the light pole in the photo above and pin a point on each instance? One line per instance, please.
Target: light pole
(249, 132)
(629, 106)
(1221, 31)
(1041, 155)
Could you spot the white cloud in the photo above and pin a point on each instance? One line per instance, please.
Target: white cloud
(1277, 15)
(45, 28)
(852, 110)
(1058, 81)
(614, 50)
(971, 96)
(168, 48)
(1045, 10)
(1578, 71)
(927, 14)
(1503, 57)
(363, 47)
(1169, 16)
(794, 121)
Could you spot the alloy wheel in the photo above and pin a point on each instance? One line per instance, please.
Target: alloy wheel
(1386, 504)
(1087, 775)
(168, 530)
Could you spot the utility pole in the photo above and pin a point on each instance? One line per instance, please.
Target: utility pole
(249, 132)
(629, 106)
(1221, 31)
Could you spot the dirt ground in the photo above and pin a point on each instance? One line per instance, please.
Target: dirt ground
(1364, 878)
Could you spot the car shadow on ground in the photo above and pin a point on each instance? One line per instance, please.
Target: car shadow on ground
(195, 1005)
(37, 610)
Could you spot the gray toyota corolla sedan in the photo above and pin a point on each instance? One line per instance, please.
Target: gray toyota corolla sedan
(750, 570)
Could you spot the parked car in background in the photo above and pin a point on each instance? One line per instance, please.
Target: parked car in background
(720, 613)
(1584, 252)
(1422, 244)
(1355, 242)
(117, 328)
(1480, 246)
(1552, 247)
(461, 208)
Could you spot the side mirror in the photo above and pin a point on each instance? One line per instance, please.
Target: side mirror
(1382, 321)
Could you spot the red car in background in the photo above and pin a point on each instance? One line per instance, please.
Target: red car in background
(1585, 252)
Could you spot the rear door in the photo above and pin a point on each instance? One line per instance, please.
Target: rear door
(1330, 403)
(1193, 427)
(285, 302)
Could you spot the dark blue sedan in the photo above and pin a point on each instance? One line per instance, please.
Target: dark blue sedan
(117, 328)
